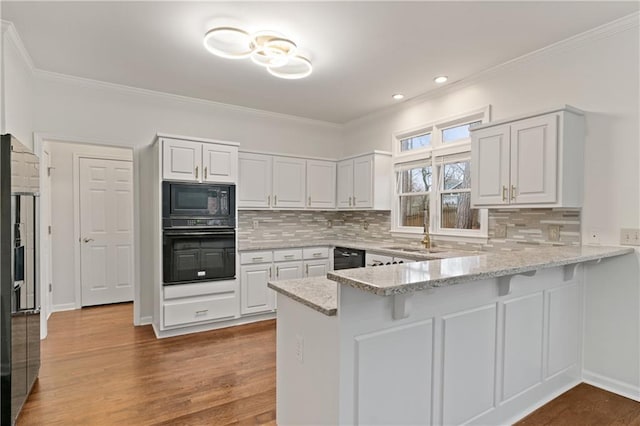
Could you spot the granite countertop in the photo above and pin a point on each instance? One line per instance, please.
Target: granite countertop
(416, 253)
(410, 277)
(318, 293)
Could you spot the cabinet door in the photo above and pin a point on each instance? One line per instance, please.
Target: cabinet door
(289, 175)
(254, 180)
(255, 296)
(316, 268)
(534, 158)
(220, 163)
(345, 184)
(490, 166)
(363, 182)
(288, 270)
(181, 160)
(321, 184)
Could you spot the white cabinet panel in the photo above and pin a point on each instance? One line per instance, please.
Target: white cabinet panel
(255, 296)
(534, 157)
(400, 394)
(254, 180)
(469, 364)
(563, 328)
(490, 167)
(315, 252)
(363, 182)
(321, 184)
(345, 184)
(194, 310)
(522, 356)
(288, 270)
(256, 257)
(220, 163)
(316, 268)
(287, 255)
(181, 160)
(289, 176)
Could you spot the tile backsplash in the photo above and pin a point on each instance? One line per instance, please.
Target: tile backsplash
(509, 229)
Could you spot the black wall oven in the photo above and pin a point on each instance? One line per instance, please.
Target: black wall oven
(188, 205)
(199, 236)
(198, 255)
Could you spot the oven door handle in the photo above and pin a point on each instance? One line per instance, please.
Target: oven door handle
(197, 234)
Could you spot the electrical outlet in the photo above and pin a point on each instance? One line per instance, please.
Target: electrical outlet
(501, 231)
(299, 349)
(593, 237)
(630, 237)
(330, 224)
(553, 232)
(365, 225)
(255, 224)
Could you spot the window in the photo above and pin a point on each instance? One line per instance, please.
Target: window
(415, 142)
(433, 179)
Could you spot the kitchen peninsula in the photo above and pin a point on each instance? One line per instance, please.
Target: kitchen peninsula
(478, 339)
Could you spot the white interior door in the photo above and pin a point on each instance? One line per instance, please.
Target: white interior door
(106, 234)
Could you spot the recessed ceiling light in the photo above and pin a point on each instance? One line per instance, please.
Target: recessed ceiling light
(398, 96)
(441, 79)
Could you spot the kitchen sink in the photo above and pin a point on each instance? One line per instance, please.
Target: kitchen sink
(414, 250)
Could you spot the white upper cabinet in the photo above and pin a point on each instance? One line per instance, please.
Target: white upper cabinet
(254, 180)
(364, 182)
(321, 184)
(196, 161)
(536, 161)
(288, 182)
(345, 184)
(181, 160)
(220, 163)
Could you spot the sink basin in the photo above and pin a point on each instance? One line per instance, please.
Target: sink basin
(413, 249)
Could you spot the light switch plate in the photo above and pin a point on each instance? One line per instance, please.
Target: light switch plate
(501, 231)
(255, 224)
(630, 237)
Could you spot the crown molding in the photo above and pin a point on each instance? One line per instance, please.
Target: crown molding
(10, 33)
(603, 31)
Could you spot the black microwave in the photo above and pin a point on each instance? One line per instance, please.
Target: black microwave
(198, 205)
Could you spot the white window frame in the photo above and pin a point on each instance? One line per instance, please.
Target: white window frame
(435, 156)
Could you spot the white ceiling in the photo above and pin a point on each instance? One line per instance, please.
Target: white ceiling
(362, 52)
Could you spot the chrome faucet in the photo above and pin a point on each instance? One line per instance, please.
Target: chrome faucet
(426, 240)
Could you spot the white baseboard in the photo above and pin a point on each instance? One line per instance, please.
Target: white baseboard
(146, 320)
(63, 307)
(179, 331)
(612, 385)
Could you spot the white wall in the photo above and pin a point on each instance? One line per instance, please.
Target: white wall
(16, 116)
(130, 117)
(599, 75)
(63, 216)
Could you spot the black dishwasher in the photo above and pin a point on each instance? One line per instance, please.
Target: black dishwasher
(346, 258)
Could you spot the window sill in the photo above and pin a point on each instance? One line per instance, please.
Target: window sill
(475, 239)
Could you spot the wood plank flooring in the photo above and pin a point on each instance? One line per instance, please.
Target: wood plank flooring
(97, 369)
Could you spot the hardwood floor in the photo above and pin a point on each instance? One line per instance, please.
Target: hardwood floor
(97, 369)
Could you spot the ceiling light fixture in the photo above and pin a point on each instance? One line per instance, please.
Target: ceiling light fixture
(397, 96)
(265, 48)
(441, 79)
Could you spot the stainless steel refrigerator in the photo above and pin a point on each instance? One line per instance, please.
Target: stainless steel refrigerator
(19, 290)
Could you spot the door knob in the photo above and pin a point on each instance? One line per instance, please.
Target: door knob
(86, 240)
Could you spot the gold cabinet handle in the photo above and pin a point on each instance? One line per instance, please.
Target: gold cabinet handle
(196, 172)
(504, 193)
(349, 201)
(275, 200)
(269, 272)
(205, 172)
(277, 271)
(269, 200)
(309, 200)
(354, 201)
(513, 192)
(307, 269)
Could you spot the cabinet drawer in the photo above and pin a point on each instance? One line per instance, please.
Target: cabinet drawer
(315, 252)
(198, 289)
(256, 257)
(287, 255)
(193, 310)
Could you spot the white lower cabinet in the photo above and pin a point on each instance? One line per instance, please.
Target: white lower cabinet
(259, 267)
(188, 304)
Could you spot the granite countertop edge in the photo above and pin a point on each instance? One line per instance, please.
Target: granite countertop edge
(300, 296)
(458, 279)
